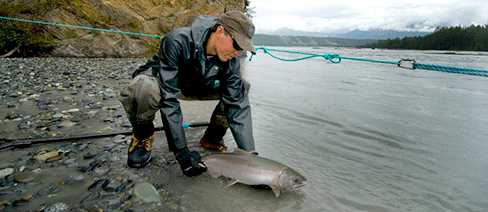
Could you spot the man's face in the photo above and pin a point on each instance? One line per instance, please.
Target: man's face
(225, 47)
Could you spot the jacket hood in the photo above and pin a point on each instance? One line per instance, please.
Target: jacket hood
(200, 28)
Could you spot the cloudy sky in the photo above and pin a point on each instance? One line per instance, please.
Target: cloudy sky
(347, 15)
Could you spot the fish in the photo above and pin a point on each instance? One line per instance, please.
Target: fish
(243, 167)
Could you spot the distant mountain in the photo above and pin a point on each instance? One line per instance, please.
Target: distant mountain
(292, 32)
(277, 40)
(374, 34)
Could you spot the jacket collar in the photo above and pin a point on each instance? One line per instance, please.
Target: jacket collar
(200, 29)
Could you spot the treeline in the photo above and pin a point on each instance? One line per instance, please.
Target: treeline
(473, 38)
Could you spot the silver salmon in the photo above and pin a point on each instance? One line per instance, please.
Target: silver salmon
(243, 167)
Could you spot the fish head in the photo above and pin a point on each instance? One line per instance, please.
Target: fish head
(290, 179)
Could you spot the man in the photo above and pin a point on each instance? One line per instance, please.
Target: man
(199, 62)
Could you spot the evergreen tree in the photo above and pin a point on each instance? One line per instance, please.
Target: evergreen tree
(472, 38)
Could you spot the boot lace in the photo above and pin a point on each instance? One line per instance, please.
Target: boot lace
(146, 143)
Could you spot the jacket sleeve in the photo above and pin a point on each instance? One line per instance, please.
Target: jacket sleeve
(237, 107)
(170, 55)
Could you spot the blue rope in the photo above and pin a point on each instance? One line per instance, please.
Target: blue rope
(80, 27)
(334, 58)
(331, 57)
(452, 69)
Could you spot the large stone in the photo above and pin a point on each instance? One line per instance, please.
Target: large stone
(146, 192)
(42, 157)
(5, 172)
(24, 177)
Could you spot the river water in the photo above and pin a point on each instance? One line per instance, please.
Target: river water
(369, 136)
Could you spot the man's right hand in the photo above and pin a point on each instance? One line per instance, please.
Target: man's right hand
(190, 162)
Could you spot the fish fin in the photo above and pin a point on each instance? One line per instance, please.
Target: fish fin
(232, 182)
(237, 150)
(276, 190)
(213, 173)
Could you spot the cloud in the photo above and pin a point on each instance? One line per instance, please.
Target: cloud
(347, 15)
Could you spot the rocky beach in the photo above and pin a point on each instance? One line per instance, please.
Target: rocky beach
(54, 97)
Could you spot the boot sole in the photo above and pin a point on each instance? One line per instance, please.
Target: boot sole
(133, 164)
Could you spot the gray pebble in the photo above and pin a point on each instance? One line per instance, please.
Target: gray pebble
(57, 207)
(92, 152)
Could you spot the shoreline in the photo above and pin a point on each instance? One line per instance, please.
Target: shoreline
(51, 97)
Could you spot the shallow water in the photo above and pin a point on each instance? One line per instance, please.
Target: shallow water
(372, 136)
(368, 137)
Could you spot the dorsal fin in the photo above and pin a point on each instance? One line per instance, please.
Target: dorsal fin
(237, 150)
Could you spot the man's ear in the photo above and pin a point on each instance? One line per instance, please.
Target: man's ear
(220, 31)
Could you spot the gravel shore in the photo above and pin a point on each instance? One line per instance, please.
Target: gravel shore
(52, 97)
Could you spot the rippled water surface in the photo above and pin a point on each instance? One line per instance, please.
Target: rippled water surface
(372, 136)
(367, 136)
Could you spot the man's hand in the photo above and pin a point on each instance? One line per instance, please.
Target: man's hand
(190, 162)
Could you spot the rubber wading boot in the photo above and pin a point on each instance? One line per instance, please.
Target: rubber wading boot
(139, 152)
(219, 146)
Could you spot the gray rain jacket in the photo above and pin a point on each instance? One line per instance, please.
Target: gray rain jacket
(182, 68)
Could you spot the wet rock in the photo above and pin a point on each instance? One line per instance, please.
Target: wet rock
(103, 156)
(57, 207)
(50, 189)
(91, 112)
(101, 171)
(5, 172)
(83, 103)
(122, 187)
(43, 156)
(73, 110)
(114, 158)
(93, 208)
(67, 124)
(24, 177)
(58, 115)
(19, 202)
(27, 197)
(146, 192)
(70, 163)
(41, 207)
(77, 177)
(92, 166)
(118, 139)
(108, 95)
(82, 147)
(95, 107)
(92, 152)
(119, 113)
(67, 99)
(99, 185)
(109, 147)
(53, 159)
(42, 105)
